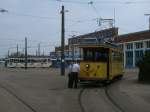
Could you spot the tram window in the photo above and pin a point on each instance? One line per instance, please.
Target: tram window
(44, 60)
(116, 56)
(21, 60)
(101, 56)
(87, 54)
(97, 54)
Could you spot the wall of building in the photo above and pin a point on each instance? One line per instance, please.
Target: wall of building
(133, 51)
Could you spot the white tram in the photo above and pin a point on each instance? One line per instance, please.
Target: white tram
(32, 62)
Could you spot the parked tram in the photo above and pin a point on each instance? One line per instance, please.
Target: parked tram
(32, 62)
(100, 62)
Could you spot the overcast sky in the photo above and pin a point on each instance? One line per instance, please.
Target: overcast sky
(40, 20)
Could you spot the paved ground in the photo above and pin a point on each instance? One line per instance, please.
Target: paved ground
(44, 90)
(132, 95)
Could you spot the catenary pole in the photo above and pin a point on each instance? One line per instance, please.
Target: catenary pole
(26, 55)
(149, 22)
(149, 19)
(62, 42)
(17, 50)
(39, 49)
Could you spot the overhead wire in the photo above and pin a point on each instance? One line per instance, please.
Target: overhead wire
(41, 42)
(29, 15)
(67, 1)
(91, 3)
(40, 17)
(102, 2)
(77, 2)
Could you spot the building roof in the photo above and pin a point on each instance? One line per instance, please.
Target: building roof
(142, 35)
(99, 45)
(93, 34)
(106, 33)
(58, 48)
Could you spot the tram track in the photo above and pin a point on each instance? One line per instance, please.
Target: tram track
(112, 100)
(18, 98)
(106, 93)
(109, 96)
(80, 100)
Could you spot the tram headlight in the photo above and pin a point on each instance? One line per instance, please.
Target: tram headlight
(87, 66)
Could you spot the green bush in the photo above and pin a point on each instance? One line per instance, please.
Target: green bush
(144, 68)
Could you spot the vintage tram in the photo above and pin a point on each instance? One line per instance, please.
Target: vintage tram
(100, 62)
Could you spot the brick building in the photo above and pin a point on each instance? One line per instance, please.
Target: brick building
(134, 45)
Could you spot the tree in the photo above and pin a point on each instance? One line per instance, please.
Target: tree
(144, 68)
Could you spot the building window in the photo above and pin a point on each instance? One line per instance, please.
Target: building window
(129, 59)
(121, 46)
(70, 42)
(129, 46)
(138, 56)
(139, 45)
(147, 44)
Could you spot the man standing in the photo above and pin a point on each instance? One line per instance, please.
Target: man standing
(75, 72)
(70, 76)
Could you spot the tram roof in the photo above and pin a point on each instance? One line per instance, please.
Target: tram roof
(104, 45)
(97, 45)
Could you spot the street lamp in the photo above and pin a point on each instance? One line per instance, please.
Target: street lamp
(149, 19)
(3, 10)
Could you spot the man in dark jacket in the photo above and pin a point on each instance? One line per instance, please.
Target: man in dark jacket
(70, 77)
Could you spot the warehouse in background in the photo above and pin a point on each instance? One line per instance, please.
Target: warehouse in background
(134, 46)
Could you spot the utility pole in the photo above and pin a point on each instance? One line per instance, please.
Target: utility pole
(36, 53)
(149, 19)
(17, 50)
(43, 52)
(26, 55)
(72, 47)
(8, 53)
(149, 22)
(39, 49)
(114, 18)
(62, 42)
(17, 54)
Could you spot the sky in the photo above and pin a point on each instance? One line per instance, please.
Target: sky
(40, 21)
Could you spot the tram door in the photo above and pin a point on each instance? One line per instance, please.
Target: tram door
(108, 63)
(104, 57)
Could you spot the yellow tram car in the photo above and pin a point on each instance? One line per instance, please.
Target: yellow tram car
(100, 62)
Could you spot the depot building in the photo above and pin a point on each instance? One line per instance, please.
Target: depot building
(134, 46)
